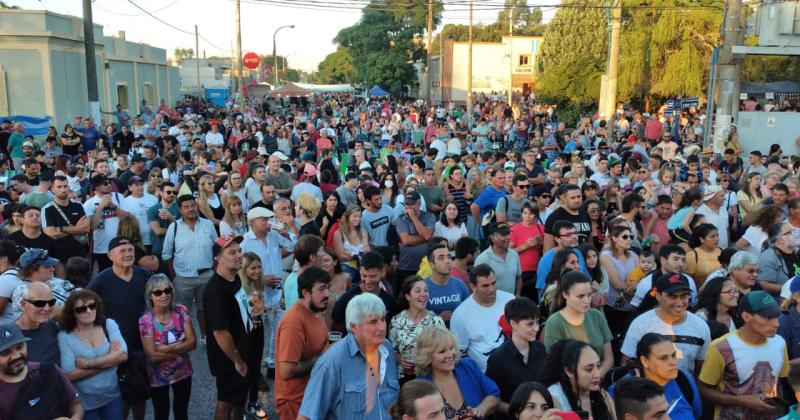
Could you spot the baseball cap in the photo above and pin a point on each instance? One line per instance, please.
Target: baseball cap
(98, 180)
(309, 170)
(794, 286)
(364, 165)
(259, 212)
(761, 303)
(37, 255)
(280, 155)
(118, 241)
(411, 197)
(136, 179)
(498, 227)
(509, 165)
(225, 241)
(711, 191)
(671, 283)
(10, 336)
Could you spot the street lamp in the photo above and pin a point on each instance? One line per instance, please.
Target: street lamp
(275, 53)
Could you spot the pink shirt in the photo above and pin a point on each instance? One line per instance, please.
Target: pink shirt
(529, 258)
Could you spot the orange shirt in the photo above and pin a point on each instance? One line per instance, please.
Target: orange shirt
(301, 335)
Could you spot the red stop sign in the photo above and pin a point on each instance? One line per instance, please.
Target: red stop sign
(251, 60)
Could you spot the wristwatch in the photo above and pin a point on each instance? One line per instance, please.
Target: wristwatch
(60, 229)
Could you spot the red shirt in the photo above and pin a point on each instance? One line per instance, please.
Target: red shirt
(529, 258)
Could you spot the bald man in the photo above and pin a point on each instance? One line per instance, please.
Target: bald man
(36, 323)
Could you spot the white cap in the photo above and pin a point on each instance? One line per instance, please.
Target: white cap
(711, 191)
(259, 212)
(278, 154)
(364, 165)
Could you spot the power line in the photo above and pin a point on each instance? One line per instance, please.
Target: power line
(94, 2)
(176, 28)
(322, 5)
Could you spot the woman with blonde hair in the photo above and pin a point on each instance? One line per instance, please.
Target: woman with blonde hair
(350, 241)
(253, 289)
(208, 202)
(154, 180)
(467, 391)
(129, 228)
(234, 222)
(234, 187)
(307, 208)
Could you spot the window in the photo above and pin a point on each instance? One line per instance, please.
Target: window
(148, 93)
(122, 96)
(524, 60)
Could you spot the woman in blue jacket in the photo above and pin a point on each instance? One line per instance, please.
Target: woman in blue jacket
(466, 390)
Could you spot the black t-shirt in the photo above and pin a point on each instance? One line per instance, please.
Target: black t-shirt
(67, 246)
(42, 241)
(222, 314)
(310, 228)
(4, 137)
(339, 308)
(122, 143)
(507, 369)
(262, 204)
(168, 139)
(581, 222)
(123, 301)
(70, 150)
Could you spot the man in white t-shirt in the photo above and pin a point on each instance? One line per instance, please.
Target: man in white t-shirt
(137, 204)
(475, 320)
(715, 213)
(104, 210)
(214, 137)
(441, 148)
(690, 334)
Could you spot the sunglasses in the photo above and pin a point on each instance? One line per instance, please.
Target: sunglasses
(42, 303)
(169, 192)
(158, 293)
(83, 309)
(626, 237)
(546, 196)
(523, 186)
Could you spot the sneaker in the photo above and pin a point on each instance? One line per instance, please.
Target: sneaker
(255, 410)
(202, 342)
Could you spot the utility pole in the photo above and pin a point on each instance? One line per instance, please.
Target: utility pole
(510, 56)
(197, 57)
(428, 54)
(441, 66)
(91, 66)
(728, 81)
(610, 104)
(469, 72)
(240, 87)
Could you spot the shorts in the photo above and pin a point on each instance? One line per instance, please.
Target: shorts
(231, 388)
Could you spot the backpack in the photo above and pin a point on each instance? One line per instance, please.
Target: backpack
(43, 396)
(491, 216)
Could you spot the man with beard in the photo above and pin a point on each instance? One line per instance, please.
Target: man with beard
(503, 259)
(227, 326)
(301, 338)
(633, 207)
(570, 199)
(65, 221)
(376, 218)
(31, 389)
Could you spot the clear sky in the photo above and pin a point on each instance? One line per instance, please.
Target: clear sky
(305, 45)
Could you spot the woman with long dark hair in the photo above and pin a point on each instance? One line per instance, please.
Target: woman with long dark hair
(572, 317)
(564, 261)
(596, 272)
(703, 259)
(597, 235)
(406, 326)
(532, 401)
(572, 375)
(758, 224)
(618, 260)
(717, 302)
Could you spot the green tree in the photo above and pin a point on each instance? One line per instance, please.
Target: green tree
(4, 5)
(762, 69)
(337, 67)
(389, 35)
(181, 54)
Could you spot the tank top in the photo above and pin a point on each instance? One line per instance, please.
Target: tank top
(622, 270)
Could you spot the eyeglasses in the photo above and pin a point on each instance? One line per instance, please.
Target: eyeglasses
(730, 292)
(42, 303)
(642, 171)
(158, 293)
(83, 309)
(626, 237)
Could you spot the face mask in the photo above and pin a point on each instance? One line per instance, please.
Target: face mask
(389, 184)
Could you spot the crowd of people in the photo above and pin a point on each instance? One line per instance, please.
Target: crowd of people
(381, 258)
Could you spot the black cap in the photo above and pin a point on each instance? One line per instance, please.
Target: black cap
(671, 283)
(498, 227)
(98, 180)
(118, 241)
(411, 197)
(136, 179)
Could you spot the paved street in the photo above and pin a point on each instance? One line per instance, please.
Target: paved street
(204, 391)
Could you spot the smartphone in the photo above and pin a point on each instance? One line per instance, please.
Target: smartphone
(776, 402)
(567, 415)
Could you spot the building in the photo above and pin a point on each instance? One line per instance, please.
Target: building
(214, 73)
(43, 68)
(490, 68)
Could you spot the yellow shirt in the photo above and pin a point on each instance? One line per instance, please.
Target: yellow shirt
(701, 263)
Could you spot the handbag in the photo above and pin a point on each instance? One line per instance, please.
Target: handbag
(134, 384)
(82, 239)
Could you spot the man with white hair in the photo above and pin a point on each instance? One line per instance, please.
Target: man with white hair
(743, 271)
(357, 376)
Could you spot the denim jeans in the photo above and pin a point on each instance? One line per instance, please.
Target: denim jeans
(110, 411)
